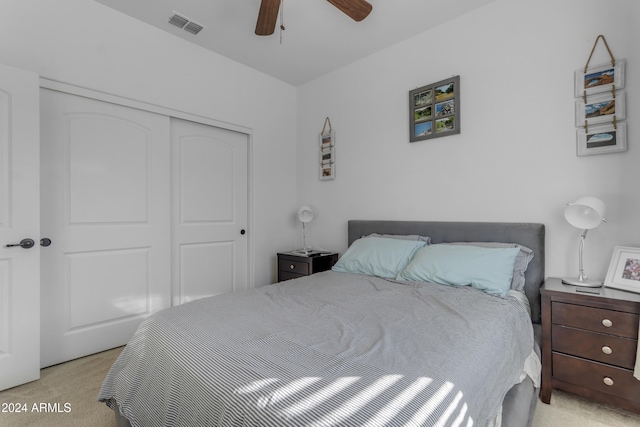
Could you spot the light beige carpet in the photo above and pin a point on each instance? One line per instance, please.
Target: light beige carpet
(568, 410)
(77, 383)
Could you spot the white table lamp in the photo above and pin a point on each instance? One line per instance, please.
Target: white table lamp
(305, 215)
(585, 213)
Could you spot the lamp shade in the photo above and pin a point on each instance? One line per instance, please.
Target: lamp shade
(585, 213)
(305, 213)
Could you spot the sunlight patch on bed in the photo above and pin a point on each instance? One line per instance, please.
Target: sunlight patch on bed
(450, 410)
(255, 386)
(431, 405)
(392, 408)
(320, 396)
(287, 390)
(353, 405)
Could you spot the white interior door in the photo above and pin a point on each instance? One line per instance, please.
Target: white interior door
(19, 219)
(106, 193)
(210, 199)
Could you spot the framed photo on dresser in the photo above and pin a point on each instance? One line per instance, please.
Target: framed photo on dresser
(624, 269)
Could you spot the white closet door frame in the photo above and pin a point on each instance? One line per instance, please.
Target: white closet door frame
(103, 96)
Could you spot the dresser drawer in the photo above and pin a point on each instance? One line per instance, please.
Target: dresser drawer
(592, 345)
(292, 266)
(596, 376)
(595, 319)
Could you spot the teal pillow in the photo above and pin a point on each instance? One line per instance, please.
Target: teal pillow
(487, 269)
(378, 256)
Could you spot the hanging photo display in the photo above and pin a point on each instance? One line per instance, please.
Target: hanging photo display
(434, 110)
(327, 152)
(600, 106)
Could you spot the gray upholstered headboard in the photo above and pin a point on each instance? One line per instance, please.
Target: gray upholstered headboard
(526, 234)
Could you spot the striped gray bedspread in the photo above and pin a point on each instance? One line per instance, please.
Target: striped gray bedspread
(332, 349)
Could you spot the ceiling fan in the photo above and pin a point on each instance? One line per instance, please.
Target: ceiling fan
(268, 15)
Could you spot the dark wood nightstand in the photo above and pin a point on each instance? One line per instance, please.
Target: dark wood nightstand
(292, 265)
(589, 343)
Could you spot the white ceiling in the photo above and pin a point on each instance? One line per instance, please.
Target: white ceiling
(318, 37)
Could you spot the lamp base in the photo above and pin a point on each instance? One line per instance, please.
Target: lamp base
(577, 282)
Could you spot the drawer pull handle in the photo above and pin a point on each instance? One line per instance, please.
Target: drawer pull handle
(292, 266)
(608, 381)
(607, 350)
(607, 323)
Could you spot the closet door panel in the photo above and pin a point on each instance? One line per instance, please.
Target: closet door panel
(199, 276)
(109, 168)
(115, 293)
(106, 208)
(210, 210)
(206, 180)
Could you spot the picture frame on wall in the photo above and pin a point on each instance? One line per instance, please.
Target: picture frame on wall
(602, 139)
(434, 110)
(624, 269)
(601, 108)
(327, 156)
(600, 78)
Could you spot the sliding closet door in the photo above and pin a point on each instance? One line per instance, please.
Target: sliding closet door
(19, 220)
(210, 195)
(106, 208)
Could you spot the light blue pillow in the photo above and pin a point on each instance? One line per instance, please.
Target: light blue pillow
(520, 265)
(487, 269)
(377, 256)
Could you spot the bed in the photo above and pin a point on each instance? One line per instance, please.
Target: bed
(341, 348)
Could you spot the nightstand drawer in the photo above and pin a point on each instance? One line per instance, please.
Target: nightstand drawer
(292, 266)
(286, 275)
(591, 345)
(596, 376)
(596, 319)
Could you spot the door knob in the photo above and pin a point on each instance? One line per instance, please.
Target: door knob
(242, 232)
(24, 243)
(45, 242)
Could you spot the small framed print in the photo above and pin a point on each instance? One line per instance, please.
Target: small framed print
(327, 172)
(624, 269)
(600, 108)
(600, 78)
(434, 110)
(327, 156)
(602, 139)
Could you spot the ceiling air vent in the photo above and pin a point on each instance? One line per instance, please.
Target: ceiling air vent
(185, 23)
(193, 28)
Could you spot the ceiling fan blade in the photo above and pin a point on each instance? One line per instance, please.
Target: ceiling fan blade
(267, 17)
(355, 9)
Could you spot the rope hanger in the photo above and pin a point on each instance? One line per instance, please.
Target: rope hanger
(613, 88)
(613, 61)
(325, 126)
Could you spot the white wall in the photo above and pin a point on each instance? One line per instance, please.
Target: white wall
(515, 158)
(84, 43)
